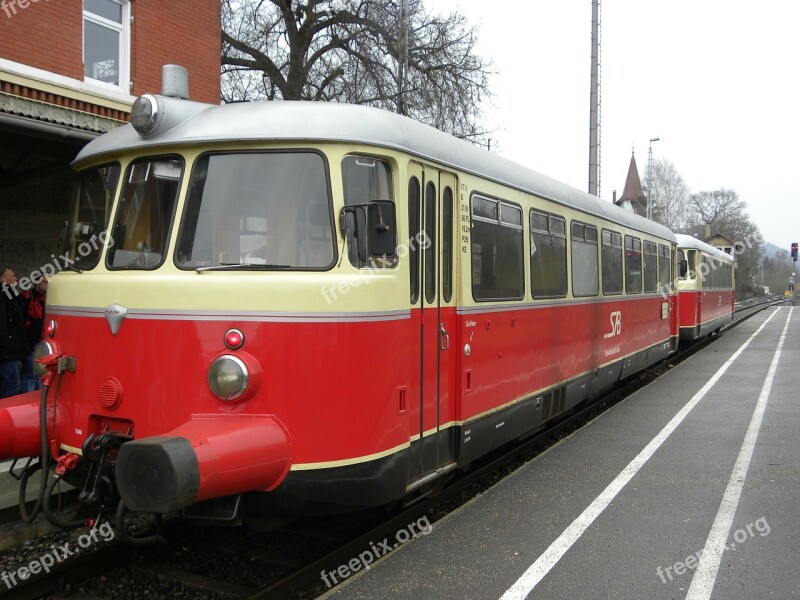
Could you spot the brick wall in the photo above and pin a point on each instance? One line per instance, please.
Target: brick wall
(183, 33)
(47, 34)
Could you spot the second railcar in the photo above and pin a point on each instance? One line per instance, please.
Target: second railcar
(706, 288)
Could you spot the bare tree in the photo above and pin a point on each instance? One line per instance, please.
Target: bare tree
(727, 214)
(669, 195)
(385, 53)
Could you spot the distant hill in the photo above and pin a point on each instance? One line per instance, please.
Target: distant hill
(771, 249)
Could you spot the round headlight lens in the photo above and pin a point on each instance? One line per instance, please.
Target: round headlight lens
(44, 348)
(144, 114)
(228, 377)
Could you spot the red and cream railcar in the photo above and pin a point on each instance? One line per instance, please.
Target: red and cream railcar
(706, 288)
(321, 306)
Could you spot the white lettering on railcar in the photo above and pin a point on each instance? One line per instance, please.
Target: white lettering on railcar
(616, 324)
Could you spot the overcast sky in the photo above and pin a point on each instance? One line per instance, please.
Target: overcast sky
(717, 81)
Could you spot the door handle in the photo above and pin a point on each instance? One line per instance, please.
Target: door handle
(444, 338)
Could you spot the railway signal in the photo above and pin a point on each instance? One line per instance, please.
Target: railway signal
(794, 251)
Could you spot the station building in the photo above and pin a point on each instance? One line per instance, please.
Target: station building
(69, 71)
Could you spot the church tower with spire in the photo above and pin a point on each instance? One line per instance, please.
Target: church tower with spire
(633, 196)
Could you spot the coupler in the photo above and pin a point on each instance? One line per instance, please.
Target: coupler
(207, 457)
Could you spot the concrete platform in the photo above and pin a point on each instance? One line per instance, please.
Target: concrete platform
(9, 487)
(690, 488)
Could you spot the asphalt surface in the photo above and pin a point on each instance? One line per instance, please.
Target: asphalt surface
(638, 503)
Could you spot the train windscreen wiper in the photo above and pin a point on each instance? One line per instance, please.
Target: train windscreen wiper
(248, 266)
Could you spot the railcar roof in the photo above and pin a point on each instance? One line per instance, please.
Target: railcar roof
(338, 122)
(687, 241)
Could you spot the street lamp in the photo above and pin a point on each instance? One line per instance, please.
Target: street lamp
(650, 178)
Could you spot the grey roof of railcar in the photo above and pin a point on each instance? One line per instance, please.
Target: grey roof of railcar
(687, 241)
(338, 122)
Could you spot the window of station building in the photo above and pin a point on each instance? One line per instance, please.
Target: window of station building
(106, 42)
(612, 262)
(497, 250)
(365, 179)
(548, 255)
(633, 265)
(664, 268)
(650, 267)
(585, 271)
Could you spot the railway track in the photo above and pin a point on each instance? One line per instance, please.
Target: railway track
(298, 560)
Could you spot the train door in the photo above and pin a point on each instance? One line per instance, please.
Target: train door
(432, 211)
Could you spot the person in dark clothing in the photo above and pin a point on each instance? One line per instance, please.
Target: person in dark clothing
(34, 323)
(13, 337)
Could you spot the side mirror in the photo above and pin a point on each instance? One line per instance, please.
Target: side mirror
(382, 228)
(370, 230)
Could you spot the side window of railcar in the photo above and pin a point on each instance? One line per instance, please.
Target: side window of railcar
(430, 252)
(664, 268)
(718, 273)
(258, 210)
(705, 272)
(548, 255)
(414, 211)
(89, 213)
(612, 262)
(365, 179)
(650, 267)
(144, 216)
(447, 244)
(633, 265)
(497, 249)
(585, 273)
(690, 256)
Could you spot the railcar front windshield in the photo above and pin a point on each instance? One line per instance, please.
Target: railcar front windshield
(257, 210)
(91, 207)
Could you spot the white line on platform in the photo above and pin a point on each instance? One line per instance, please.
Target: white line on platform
(706, 573)
(542, 566)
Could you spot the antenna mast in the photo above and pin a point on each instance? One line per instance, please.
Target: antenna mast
(594, 104)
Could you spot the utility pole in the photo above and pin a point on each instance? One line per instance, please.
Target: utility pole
(594, 104)
(403, 62)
